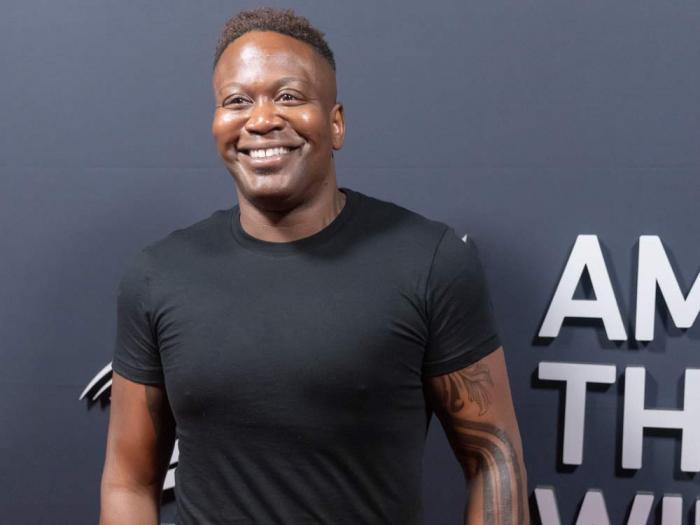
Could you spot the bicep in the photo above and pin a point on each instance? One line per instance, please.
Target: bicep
(474, 406)
(140, 436)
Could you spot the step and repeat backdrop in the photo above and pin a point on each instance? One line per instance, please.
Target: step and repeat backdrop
(562, 137)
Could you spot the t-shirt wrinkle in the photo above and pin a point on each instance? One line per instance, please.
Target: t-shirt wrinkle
(148, 306)
(430, 270)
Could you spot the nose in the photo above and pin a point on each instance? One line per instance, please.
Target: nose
(263, 118)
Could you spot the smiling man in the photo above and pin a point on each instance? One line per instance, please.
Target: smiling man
(297, 343)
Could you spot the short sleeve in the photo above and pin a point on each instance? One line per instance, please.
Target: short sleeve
(136, 355)
(462, 328)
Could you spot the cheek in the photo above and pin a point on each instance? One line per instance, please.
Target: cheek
(313, 126)
(225, 127)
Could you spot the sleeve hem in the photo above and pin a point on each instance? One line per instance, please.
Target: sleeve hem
(138, 375)
(474, 354)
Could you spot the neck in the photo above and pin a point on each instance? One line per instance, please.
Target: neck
(298, 221)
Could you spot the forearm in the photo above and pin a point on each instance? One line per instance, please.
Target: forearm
(475, 408)
(497, 491)
(121, 504)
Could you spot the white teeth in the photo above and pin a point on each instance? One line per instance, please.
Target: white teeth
(269, 152)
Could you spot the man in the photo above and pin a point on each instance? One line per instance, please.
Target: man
(295, 344)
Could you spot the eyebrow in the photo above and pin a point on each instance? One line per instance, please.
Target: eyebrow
(287, 80)
(278, 82)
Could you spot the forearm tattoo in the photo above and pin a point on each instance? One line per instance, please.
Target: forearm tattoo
(482, 447)
(474, 381)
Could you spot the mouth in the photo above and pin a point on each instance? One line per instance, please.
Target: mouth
(267, 153)
(268, 160)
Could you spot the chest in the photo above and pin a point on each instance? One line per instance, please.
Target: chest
(263, 341)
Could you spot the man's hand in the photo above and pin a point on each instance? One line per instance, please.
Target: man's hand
(475, 408)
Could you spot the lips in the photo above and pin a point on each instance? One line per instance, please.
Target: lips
(266, 150)
(268, 156)
(261, 153)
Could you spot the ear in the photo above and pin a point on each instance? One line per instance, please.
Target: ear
(337, 126)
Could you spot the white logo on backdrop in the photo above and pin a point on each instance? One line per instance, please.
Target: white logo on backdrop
(655, 274)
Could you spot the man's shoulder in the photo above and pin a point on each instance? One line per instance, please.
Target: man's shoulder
(204, 234)
(395, 219)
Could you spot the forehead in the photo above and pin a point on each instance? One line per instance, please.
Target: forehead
(260, 56)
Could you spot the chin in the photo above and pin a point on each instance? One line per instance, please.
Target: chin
(270, 191)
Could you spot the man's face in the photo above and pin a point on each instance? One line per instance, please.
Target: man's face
(276, 121)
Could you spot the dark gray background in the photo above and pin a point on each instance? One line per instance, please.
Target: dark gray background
(523, 123)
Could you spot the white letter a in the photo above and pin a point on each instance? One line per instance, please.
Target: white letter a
(586, 253)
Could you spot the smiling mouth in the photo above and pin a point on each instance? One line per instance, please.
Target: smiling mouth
(265, 153)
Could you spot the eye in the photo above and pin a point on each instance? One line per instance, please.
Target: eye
(234, 101)
(290, 98)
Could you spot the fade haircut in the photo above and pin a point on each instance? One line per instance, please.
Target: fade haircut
(283, 21)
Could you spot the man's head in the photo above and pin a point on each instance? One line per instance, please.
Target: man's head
(277, 120)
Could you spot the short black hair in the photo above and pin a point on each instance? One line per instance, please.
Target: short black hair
(283, 21)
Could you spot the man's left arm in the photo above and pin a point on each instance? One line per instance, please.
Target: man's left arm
(475, 407)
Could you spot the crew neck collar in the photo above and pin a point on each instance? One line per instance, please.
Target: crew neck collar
(297, 246)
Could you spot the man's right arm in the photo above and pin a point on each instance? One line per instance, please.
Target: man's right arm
(140, 440)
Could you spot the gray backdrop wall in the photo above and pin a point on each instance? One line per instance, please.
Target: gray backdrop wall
(523, 124)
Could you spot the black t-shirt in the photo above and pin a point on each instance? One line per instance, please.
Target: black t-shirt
(294, 370)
